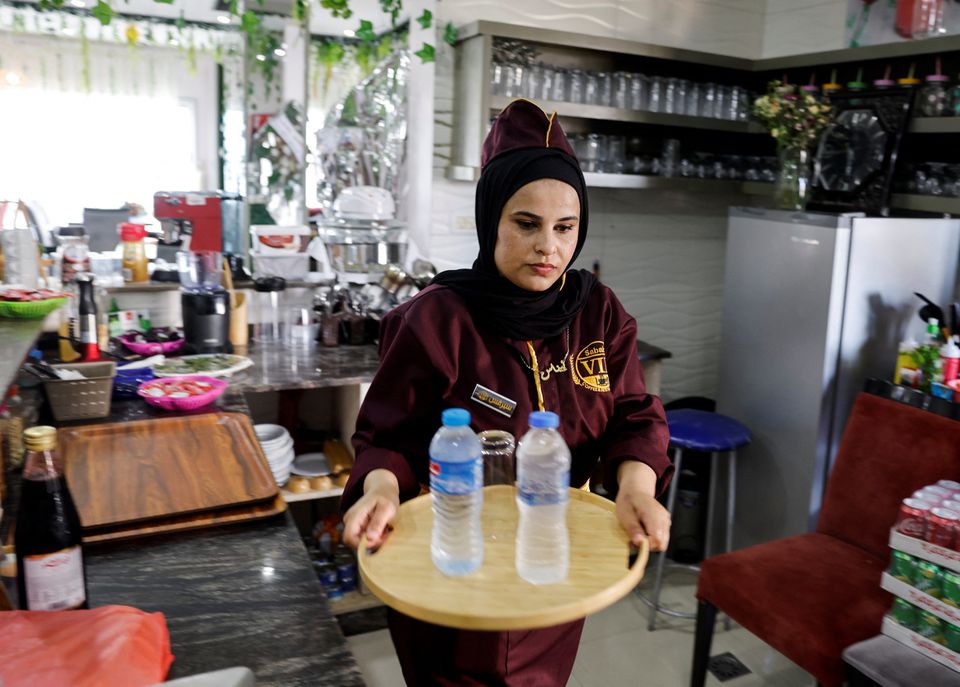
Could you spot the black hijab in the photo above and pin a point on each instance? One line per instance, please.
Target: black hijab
(495, 301)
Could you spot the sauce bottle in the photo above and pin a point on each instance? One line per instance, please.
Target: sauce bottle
(134, 256)
(87, 330)
(50, 568)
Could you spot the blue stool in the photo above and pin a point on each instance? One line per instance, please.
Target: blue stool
(697, 430)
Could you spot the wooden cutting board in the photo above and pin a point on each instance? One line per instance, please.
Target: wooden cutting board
(183, 523)
(126, 472)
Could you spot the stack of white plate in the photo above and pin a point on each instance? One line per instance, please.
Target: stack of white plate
(277, 444)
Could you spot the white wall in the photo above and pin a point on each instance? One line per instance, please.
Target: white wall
(729, 27)
(794, 27)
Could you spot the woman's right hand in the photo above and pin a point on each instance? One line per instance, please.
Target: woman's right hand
(374, 511)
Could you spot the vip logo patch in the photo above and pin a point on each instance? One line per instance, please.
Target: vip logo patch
(590, 367)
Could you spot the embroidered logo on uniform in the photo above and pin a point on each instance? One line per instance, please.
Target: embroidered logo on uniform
(493, 400)
(590, 367)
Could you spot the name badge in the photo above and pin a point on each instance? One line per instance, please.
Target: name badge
(493, 400)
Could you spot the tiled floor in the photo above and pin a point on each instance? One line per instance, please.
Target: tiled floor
(617, 650)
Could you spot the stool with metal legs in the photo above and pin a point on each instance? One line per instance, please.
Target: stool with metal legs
(697, 430)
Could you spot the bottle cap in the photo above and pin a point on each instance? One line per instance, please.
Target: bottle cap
(132, 232)
(831, 87)
(908, 81)
(811, 89)
(884, 83)
(544, 419)
(40, 438)
(937, 78)
(856, 85)
(455, 417)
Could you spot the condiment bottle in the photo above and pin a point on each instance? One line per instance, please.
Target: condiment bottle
(933, 99)
(87, 320)
(74, 253)
(950, 356)
(906, 370)
(50, 569)
(134, 255)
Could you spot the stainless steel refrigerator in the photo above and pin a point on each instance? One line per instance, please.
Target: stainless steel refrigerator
(813, 305)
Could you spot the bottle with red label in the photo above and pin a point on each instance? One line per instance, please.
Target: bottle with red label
(88, 333)
(50, 568)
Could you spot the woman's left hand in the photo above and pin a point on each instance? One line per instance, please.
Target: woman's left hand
(638, 510)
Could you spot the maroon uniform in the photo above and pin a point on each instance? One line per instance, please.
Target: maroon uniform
(434, 356)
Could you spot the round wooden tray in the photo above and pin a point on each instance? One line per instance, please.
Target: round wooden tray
(401, 572)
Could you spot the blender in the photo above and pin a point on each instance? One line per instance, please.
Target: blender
(205, 304)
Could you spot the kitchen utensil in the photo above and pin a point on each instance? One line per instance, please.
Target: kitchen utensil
(136, 472)
(403, 576)
(269, 295)
(200, 270)
(151, 348)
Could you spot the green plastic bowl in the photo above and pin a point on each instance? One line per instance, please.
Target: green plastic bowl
(29, 310)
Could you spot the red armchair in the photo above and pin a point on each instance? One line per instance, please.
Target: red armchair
(812, 595)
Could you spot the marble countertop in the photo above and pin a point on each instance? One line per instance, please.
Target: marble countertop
(277, 367)
(244, 595)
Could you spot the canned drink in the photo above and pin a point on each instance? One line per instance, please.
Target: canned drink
(929, 579)
(952, 504)
(952, 636)
(922, 495)
(931, 627)
(942, 526)
(948, 484)
(912, 518)
(904, 613)
(942, 492)
(950, 592)
(327, 573)
(348, 585)
(333, 593)
(903, 566)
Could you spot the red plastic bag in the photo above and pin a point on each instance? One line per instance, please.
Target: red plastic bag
(115, 646)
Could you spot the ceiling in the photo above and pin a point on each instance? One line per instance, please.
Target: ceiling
(206, 11)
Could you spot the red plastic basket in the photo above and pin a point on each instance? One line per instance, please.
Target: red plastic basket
(189, 402)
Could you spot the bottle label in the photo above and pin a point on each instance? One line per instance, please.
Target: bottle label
(456, 479)
(54, 581)
(88, 329)
(544, 492)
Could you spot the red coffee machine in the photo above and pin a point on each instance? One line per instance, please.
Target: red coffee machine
(198, 216)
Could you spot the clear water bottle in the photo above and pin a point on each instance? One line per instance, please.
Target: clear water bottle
(456, 480)
(543, 479)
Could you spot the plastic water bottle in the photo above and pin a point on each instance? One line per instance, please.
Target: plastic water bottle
(543, 478)
(456, 480)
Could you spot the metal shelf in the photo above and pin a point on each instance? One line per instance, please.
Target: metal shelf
(655, 183)
(615, 114)
(935, 125)
(918, 203)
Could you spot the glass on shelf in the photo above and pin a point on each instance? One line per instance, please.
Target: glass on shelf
(687, 168)
(933, 97)
(638, 98)
(668, 96)
(735, 93)
(722, 102)
(670, 157)
(708, 99)
(655, 94)
(605, 89)
(532, 77)
(692, 105)
(616, 154)
(679, 105)
(513, 80)
(547, 76)
(559, 90)
(593, 152)
(591, 89)
(575, 86)
(620, 87)
(497, 75)
(745, 102)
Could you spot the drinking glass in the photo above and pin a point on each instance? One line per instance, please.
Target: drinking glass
(498, 463)
(743, 108)
(496, 78)
(300, 330)
(668, 96)
(604, 89)
(558, 89)
(692, 104)
(531, 81)
(733, 102)
(548, 75)
(708, 98)
(639, 92)
(591, 89)
(513, 80)
(721, 103)
(616, 154)
(575, 85)
(620, 89)
(670, 157)
(655, 94)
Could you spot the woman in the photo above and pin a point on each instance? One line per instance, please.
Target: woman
(518, 332)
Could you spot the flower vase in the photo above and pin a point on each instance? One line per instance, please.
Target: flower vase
(793, 178)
